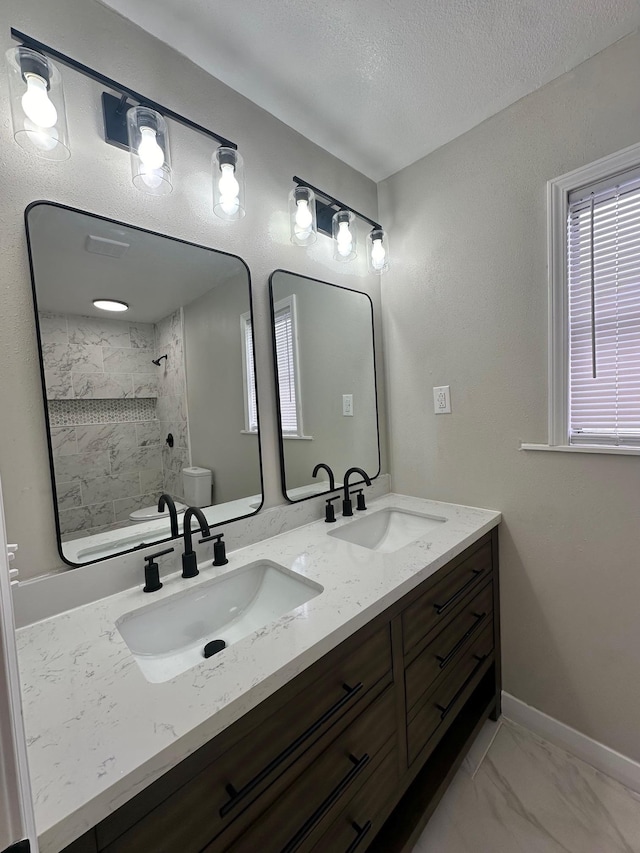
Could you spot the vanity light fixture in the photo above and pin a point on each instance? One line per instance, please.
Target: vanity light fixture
(312, 210)
(37, 104)
(110, 305)
(344, 236)
(228, 184)
(148, 138)
(131, 121)
(302, 216)
(378, 253)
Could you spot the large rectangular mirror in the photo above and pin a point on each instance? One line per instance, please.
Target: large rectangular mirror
(147, 400)
(324, 353)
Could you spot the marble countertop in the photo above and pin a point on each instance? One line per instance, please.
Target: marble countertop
(98, 732)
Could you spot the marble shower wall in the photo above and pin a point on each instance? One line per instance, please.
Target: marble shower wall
(107, 438)
(171, 408)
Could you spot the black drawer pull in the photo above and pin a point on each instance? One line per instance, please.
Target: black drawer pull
(480, 617)
(440, 608)
(362, 831)
(358, 766)
(445, 710)
(237, 796)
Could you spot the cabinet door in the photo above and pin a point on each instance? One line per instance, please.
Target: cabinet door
(311, 804)
(240, 782)
(433, 608)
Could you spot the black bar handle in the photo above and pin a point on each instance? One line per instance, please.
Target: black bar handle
(440, 608)
(237, 796)
(445, 710)
(307, 827)
(362, 831)
(444, 661)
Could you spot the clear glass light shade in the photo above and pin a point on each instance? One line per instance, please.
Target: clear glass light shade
(302, 216)
(150, 153)
(377, 251)
(344, 236)
(37, 104)
(228, 184)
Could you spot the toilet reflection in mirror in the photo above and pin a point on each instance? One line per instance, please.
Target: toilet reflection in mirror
(142, 355)
(324, 353)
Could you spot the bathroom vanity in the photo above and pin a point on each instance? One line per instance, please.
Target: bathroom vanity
(335, 728)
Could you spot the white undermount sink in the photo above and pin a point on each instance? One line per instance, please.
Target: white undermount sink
(388, 529)
(168, 637)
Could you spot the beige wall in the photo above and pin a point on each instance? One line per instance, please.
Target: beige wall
(215, 391)
(465, 304)
(97, 178)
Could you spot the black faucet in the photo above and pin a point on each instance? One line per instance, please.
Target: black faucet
(189, 561)
(347, 508)
(167, 500)
(332, 479)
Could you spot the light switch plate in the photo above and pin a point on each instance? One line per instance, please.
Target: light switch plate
(347, 405)
(442, 400)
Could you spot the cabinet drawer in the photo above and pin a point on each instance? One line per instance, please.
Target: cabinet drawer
(432, 608)
(240, 779)
(360, 822)
(443, 701)
(309, 806)
(442, 653)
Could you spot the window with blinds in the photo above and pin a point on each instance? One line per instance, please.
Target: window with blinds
(603, 273)
(288, 379)
(251, 406)
(285, 357)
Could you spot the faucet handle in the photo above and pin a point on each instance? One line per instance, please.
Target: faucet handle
(219, 549)
(153, 557)
(361, 501)
(152, 572)
(329, 510)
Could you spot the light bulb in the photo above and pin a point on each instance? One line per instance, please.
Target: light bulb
(151, 177)
(36, 103)
(304, 219)
(344, 240)
(229, 189)
(150, 153)
(44, 140)
(378, 255)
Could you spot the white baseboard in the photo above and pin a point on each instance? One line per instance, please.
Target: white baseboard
(614, 764)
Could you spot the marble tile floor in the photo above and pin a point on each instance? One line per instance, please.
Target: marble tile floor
(517, 793)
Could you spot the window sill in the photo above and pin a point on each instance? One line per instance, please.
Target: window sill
(585, 448)
(288, 437)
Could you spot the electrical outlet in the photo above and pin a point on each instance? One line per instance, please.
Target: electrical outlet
(347, 405)
(442, 400)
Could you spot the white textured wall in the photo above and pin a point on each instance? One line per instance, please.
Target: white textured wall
(465, 304)
(97, 178)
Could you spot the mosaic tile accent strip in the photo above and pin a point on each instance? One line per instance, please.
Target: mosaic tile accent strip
(76, 412)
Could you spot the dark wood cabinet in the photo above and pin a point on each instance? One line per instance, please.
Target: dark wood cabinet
(352, 754)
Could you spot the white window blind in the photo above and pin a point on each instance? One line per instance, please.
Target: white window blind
(251, 407)
(603, 234)
(286, 361)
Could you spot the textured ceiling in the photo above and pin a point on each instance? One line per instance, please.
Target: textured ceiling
(381, 83)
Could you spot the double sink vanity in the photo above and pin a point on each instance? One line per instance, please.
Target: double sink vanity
(362, 657)
(317, 690)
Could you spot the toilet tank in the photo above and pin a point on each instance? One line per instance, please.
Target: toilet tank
(197, 483)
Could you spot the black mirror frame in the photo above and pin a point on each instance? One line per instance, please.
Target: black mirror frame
(155, 542)
(283, 478)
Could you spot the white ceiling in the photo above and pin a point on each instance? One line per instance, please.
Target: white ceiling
(154, 276)
(381, 83)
